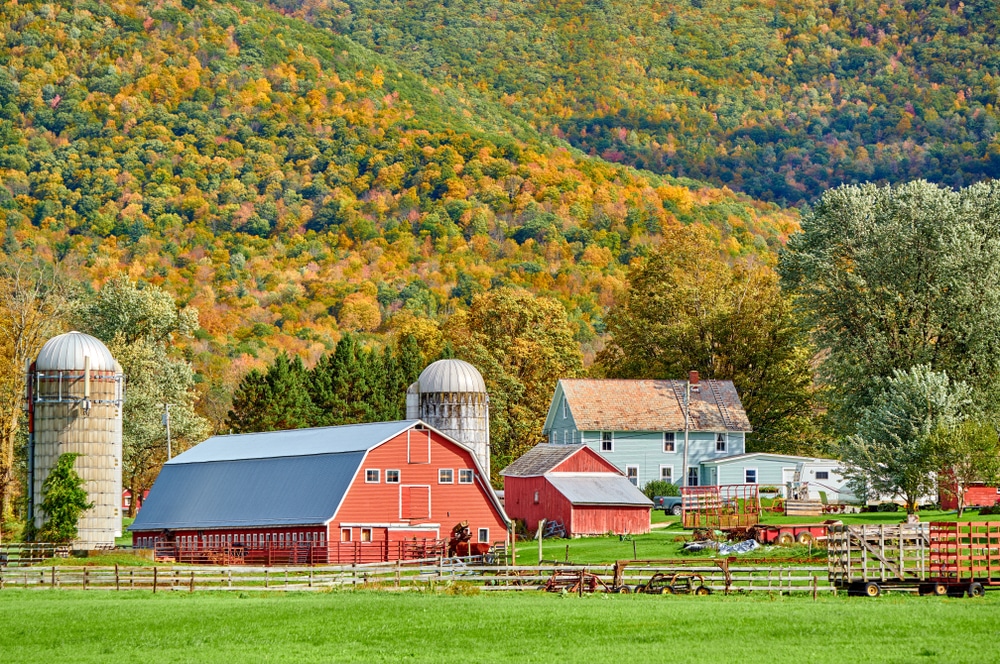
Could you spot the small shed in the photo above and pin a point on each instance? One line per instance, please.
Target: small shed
(574, 485)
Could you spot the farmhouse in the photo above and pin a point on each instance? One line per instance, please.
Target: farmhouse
(573, 485)
(640, 425)
(357, 493)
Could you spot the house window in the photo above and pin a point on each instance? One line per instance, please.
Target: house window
(446, 476)
(632, 472)
(668, 441)
(392, 477)
(667, 474)
(822, 474)
(750, 475)
(536, 497)
(607, 441)
(484, 535)
(366, 534)
(721, 442)
(692, 477)
(371, 476)
(564, 436)
(564, 409)
(465, 476)
(345, 534)
(552, 437)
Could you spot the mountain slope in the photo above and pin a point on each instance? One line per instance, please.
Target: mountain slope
(780, 100)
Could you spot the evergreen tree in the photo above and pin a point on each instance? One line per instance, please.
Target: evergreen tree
(63, 501)
(273, 401)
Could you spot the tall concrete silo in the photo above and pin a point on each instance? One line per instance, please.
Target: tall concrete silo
(75, 394)
(450, 395)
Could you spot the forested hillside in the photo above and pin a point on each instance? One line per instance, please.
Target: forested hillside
(778, 99)
(292, 185)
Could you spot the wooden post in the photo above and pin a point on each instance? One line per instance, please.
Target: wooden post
(541, 529)
(53, 584)
(191, 587)
(265, 579)
(86, 577)
(117, 585)
(815, 588)
(131, 579)
(154, 579)
(566, 559)
(635, 556)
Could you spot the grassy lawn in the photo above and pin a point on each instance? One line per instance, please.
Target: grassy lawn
(77, 626)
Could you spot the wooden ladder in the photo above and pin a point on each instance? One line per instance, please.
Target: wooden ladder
(727, 417)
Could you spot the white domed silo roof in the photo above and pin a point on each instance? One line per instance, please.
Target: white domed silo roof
(451, 376)
(66, 353)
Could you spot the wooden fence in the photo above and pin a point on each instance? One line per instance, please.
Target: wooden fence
(396, 576)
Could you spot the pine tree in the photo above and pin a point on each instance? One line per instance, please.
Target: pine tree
(63, 501)
(273, 401)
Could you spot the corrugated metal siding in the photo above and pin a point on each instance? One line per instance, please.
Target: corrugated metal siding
(592, 520)
(258, 492)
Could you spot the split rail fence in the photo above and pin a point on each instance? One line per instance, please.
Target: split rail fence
(391, 576)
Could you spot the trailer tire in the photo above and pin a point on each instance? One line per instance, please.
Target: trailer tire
(939, 589)
(785, 539)
(623, 590)
(703, 590)
(872, 589)
(976, 589)
(804, 538)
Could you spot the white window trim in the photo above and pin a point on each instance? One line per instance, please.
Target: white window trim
(564, 409)
(671, 467)
(725, 442)
(450, 470)
(673, 442)
(612, 441)
(693, 469)
(350, 534)
(486, 539)
(756, 476)
(399, 476)
(466, 473)
(369, 540)
(378, 476)
(630, 466)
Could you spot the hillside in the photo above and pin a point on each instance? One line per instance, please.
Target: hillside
(780, 100)
(293, 185)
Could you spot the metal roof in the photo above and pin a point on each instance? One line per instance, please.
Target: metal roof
(739, 458)
(66, 352)
(540, 459)
(597, 489)
(450, 376)
(651, 405)
(293, 443)
(251, 492)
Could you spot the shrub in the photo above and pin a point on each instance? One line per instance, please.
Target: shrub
(888, 507)
(990, 509)
(660, 488)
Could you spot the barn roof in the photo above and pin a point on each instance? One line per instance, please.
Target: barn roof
(650, 405)
(598, 489)
(540, 459)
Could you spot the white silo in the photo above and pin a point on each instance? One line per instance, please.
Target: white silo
(75, 395)
(450, 395)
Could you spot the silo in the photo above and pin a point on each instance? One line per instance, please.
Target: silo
(450, 395)
(75, 395)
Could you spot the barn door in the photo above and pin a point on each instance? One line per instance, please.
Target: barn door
(414, 502)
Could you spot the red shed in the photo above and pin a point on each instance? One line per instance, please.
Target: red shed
(574, 485)
(976, 495)
(348, 494)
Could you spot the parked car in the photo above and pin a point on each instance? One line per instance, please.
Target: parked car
(669, 504)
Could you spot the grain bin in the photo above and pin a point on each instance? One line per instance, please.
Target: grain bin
(450, 395)
(75, 395)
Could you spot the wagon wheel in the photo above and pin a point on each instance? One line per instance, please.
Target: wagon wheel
(702, 590)
(975, 589)
(623, 590)
(804, 538)
(665, 590)
(939, 589)
(785, 539)
(872, 589)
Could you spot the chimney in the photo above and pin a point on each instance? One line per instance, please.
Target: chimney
(693, 378)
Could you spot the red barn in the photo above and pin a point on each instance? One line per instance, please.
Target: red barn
(574, 485)
(348, 494)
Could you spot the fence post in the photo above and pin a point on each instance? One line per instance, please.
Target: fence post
(191, 588)
(86, 577)
(154, 579)
(53, 584)
(815, 588)
(116, 577)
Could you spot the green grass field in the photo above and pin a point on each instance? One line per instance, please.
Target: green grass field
(80, 627)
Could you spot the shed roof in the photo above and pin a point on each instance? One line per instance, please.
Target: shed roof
(751, 456)
(598, 489)
(652, 405)
(540, 459)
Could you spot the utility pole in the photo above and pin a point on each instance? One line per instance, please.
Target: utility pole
(166, 423)
(687, 408)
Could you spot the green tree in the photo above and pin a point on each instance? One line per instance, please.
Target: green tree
(964, 455)
(892, 277)
(274, 400)
(893, 451)
(64, 500)
(522, 344)
(687, 309)
(140, 324)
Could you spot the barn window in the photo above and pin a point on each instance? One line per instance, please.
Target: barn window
(484, 535)
(536, 497)
(345, 534)
(822, 475)
(721, 442)
(465, 476)
(446, 476)
(632, 472)
(392, 477)
(667, 474)
(371, 476)
(366, 534)
(668, 441)
(607, 441)
(750, 475)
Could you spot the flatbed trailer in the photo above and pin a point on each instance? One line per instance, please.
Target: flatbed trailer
(928, 558)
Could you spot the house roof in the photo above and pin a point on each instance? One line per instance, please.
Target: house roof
(651, 405)
(598, 489)
(540, 459)
(296, 477)
(750, 456)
